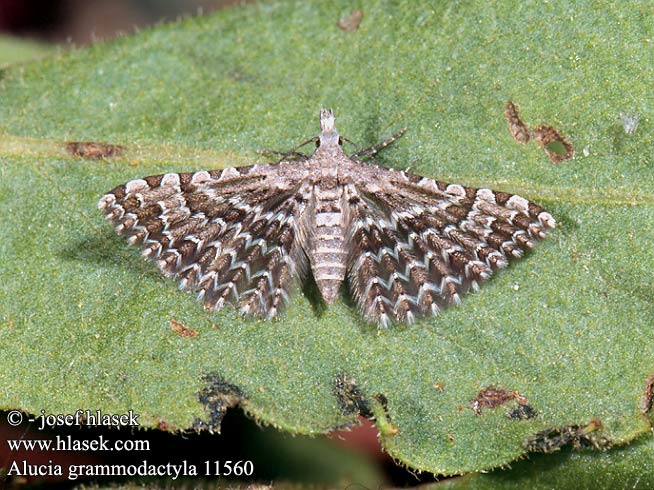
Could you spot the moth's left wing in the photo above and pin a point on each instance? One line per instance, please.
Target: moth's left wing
(229, 234)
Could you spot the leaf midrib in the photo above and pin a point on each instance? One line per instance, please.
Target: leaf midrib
(43, 148)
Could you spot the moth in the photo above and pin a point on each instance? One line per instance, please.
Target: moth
(246, 236)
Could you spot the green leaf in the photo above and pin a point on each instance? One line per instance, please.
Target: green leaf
(14, 50)
(84, 321)
(625, 467)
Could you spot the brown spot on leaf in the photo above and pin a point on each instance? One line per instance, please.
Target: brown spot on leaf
(491, 397)
(579, 436)
(92, 149)
(522, 412)
(351, 23)
(182, 330)
(555, 146)
(648, 395)
(217, 396)
(519, 129)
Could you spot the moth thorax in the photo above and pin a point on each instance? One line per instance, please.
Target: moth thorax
(329, 141)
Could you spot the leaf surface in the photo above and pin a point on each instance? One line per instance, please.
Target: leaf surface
(85, 321)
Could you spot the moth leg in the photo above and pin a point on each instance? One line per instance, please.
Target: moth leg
(348, 140)
(368, 152)
(360, 150)
(293, 153)
(286, 156)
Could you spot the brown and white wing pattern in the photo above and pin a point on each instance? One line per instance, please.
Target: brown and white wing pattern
(226, 234)
(418, 244)
(408, 245)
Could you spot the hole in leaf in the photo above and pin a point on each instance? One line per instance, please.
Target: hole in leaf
(217, 396)
(555, 146)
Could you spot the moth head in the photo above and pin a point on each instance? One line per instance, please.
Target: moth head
(329, 137)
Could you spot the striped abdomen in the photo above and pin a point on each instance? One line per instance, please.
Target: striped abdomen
(327, 252)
